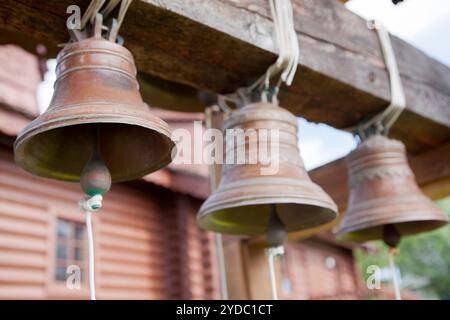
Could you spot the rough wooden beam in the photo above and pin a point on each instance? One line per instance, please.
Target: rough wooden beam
(220, 45)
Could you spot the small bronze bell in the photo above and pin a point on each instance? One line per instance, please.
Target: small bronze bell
(385, 202)
(244, 199)
(96, 103)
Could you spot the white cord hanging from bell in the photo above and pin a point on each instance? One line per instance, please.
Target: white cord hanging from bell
(383, 121)
(395, 278)
(95, 178)
(271, 254)
(88, 206)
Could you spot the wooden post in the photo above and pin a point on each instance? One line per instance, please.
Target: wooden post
(214, 120)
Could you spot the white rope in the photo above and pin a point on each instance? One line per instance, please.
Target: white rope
(385, 119)
(91, 12)
(95, 6)
(271, 254)
(273, 279)
(286, 38)
(110, 7)
(124, 5)
(221, 263)
(395, 279)
(91, 254)
(89, 206)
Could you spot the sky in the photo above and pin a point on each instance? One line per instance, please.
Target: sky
(423, 23)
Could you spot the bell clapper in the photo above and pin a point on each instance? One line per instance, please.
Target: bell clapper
(276, 237)
(391, 237)
(276, 231)
(95, 180)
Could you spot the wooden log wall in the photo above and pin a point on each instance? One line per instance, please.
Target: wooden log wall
(147, 243)
(310, 269)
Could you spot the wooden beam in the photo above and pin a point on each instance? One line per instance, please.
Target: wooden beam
(220, 45)
(236, 273)
(431, 168)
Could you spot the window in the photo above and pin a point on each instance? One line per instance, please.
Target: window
(70, 247)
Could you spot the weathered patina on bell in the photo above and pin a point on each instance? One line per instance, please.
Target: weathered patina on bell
(96, 102)
(385, 202)
(245, 198)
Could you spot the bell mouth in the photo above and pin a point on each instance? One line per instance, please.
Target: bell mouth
(253, 219)
(59, 148)
(404, 228)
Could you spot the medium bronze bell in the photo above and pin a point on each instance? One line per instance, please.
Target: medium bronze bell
(385, 202)
(245, 198)
(96, 103)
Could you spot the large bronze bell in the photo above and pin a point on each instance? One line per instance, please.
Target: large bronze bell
(385, 202)
(244, 199)
(96, 103)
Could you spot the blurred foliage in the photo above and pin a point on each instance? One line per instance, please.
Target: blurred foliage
(424, 260)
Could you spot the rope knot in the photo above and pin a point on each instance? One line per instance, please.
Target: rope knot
(92, 204)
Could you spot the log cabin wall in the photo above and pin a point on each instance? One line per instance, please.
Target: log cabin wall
(310, 269)
(322, 271)
(147, 243)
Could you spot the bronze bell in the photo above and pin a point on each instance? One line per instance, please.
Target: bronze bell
(385, 202)
(244, 199)
(96, 103)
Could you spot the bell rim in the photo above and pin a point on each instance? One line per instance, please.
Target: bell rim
(279, 181)
(361, 236)
(245, 201)
(327, 204)
(206, 211)
(373, 209)
(100, 112)
(418, 216)
(38, 126)
(204, 218)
